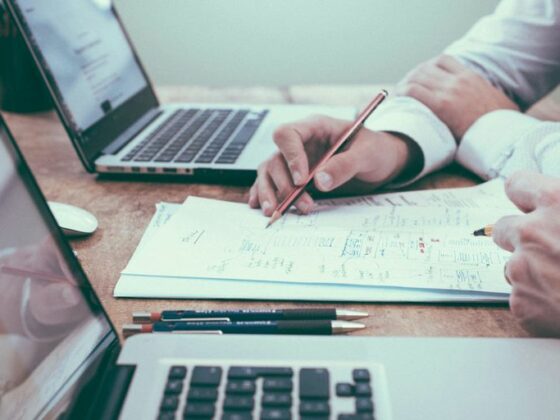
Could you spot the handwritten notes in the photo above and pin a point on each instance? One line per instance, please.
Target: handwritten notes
(415, 239)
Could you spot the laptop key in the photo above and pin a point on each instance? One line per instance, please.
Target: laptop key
(364, 405)
(177, 372)
(277, 385)
(361, 375)
(276, 371)
(314, 383)
(239, 403)
(248, 372)
(174, 386)
(241, 372)
(237, 415)
(166, 415)
(165, 158)
(240, 387)
(275, 414)
(194, 410)
(240, 141)
(202, 394)
(344, 390)
(169, 403)
(185, 157)
(314, 408)
(363, 390)
(276, 399)
(209, 376)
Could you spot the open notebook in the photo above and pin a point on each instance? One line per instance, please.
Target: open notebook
(412, 246)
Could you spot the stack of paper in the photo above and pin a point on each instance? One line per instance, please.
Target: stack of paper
(413, 246)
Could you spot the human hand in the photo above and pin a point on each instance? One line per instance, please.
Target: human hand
(371, 159)
(53, 296)
(456, 94)
(534, 239)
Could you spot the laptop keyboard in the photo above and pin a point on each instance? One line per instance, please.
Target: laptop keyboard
(199, 136)
(267, 393)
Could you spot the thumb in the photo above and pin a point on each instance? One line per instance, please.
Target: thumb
(56, 303)
(339, 169)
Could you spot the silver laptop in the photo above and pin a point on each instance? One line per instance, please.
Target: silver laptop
(110, 111)
(60, 356)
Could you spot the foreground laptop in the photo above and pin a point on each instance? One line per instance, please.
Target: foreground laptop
(111, 113)
(60, 356)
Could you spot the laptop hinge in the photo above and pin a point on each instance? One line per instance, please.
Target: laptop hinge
(116, 145)
(103, 395)
(114, 390)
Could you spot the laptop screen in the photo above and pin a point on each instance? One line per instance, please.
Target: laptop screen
(98, 84)
(50, 319)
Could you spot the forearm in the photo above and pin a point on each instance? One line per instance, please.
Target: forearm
(515, 48)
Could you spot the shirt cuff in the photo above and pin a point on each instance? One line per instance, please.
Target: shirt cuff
(409, 117)
(489, 142)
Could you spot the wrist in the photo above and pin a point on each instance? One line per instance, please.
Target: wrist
(407, 157)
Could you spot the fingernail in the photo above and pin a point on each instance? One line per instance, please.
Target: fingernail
(325, 180)
(297, 177)
(69, 296)
(307, 207)
(266, 205)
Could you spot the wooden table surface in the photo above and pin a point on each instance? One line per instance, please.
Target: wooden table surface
(125, 208)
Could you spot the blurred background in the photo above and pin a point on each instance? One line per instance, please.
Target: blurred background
(283, 42)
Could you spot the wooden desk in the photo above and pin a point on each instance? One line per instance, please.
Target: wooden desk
(125, 208)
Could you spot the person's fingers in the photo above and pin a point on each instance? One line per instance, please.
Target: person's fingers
(53, 302)
(517, 269)
(428, 76)
(449, 64)
(265, 190)
(419, 92)
(290, 139)
(506, 232)
(339, 169)
(527, 190)
(253, 197)
(281, 178)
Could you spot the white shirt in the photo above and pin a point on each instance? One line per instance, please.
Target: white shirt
(517, 49)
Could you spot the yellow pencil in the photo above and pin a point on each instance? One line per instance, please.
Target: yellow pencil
(485, 231)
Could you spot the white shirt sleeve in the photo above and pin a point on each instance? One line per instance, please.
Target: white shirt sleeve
(411, 118)
(517, 48)
(503, 142)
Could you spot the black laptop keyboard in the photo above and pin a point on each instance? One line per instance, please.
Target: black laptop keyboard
(198, 136)
(266, 393)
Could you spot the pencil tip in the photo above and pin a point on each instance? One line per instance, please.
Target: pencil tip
(479, 232)
(275, 216)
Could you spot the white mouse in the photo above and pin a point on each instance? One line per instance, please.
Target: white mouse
(74, 221)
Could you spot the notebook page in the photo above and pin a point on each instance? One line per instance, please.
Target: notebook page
(428, 247)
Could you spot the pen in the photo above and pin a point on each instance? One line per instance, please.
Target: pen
(485, 231)
(336, 147)
(332, 314)
(316, 327)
